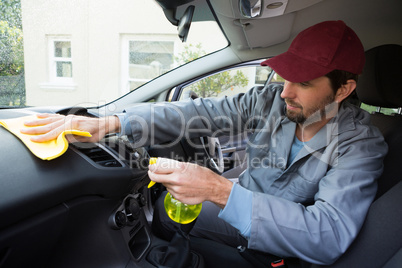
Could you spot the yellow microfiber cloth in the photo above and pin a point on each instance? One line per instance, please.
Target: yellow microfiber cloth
(44, 150)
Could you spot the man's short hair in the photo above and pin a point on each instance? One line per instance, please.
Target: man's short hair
(338, 78)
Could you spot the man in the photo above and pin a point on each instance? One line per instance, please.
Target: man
(313, 159)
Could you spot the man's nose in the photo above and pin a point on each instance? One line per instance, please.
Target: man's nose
(288, 91)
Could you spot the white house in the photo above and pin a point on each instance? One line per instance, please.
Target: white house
(82, 52)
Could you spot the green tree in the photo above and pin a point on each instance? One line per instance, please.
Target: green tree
(11, 50)
(11, 40)
(215, 84)
(10, 11)
(12, 83)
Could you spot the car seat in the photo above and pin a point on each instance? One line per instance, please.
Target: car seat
(379, 242)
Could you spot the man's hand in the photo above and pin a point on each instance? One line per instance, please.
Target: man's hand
(191, 183)
(49, 126)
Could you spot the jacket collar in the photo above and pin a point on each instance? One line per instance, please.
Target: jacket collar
(342, 122)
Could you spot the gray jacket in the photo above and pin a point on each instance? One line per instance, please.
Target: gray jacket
(312, 208)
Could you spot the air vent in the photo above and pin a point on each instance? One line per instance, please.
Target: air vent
(100, 156)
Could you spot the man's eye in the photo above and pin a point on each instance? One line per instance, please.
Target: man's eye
(303, 84)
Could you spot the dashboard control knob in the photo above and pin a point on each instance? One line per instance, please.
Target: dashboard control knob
(133, 209)
(120, 219)
(142, 200)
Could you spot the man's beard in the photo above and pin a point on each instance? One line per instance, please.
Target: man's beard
(313, 114)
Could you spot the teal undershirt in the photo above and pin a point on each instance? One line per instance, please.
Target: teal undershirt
(296, 147)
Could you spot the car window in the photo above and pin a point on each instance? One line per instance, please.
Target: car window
(87, 53)
(228, 83)
(373, 109)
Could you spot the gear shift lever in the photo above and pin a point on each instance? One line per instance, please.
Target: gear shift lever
(177, 253)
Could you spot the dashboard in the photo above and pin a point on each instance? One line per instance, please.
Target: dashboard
(87, 201)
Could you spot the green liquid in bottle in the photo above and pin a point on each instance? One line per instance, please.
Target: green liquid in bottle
(179, 212)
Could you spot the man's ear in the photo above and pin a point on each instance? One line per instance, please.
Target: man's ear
(345, 90)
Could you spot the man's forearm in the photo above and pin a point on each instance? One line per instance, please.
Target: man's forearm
(221, 191)
(112, 124)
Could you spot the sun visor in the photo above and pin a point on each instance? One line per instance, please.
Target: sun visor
(260, 19)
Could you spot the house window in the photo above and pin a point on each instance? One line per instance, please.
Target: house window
(62, 58)
(144, 60)
(61, 64)
(147, 60)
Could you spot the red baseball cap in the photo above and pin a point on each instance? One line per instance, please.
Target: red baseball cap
(318, 50)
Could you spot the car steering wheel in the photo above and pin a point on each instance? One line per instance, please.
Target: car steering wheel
(214, 153)
(212, 146)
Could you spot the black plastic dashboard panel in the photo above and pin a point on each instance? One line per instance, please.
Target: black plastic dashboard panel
(55, 213)
(29, 185)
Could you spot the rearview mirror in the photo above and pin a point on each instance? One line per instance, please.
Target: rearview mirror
(185, 22)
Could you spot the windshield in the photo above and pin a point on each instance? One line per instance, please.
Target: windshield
(85, 53)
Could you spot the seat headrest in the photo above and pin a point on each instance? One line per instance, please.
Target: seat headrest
(381, 82)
